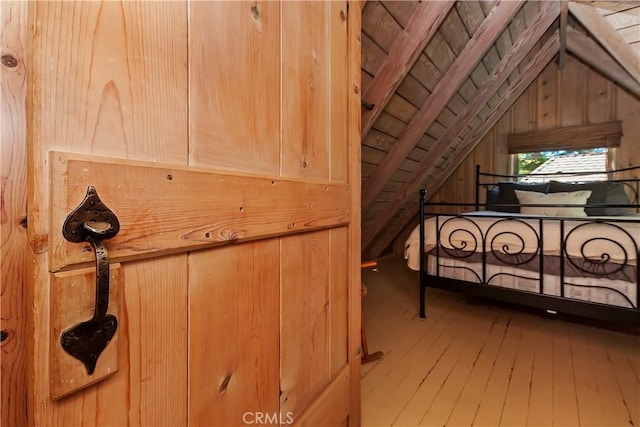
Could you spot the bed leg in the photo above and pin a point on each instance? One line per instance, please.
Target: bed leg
(422, 302)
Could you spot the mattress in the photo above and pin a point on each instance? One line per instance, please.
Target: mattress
(615, 292)
(601, 239)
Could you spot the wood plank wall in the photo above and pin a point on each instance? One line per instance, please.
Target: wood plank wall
(14, 249)
(574, 95)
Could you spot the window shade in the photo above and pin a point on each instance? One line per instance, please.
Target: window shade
(606, 134)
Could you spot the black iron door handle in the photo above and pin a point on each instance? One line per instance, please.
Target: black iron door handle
(92, 221)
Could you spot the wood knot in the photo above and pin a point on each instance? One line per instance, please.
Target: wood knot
(23, 221)
(255, 11)
(3, 335)
(225, 384)
(343, 15)
(9, 61)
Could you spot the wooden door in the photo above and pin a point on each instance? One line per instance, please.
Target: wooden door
(225, 137)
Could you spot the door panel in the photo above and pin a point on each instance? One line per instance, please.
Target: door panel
(338, 299)
(224, 135)
(235, 120)
(234, 332)
(306, 80)
(150, 385)
(107, 78)
(305, 345)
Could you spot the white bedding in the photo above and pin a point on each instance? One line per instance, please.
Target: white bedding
(521, 236)
(589, 288)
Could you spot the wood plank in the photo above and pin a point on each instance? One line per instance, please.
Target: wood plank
(454, 32)
(137, 392)
(607, 37)
(331, 408)
(467, 404)
(532, 70)
(473, 52)
(514, 411)
(565, 137)
(591, 53)
(243, 376)
(495, 393)
(339, 92)
(573, 84)
(519, 346)
(372, 56)
(354, 251)
(541, 395)
(72, 302)
(565, 408)
(235, 126)
(548, 98)
(522, 46)
(306, 61)
(121, 77)
(449, 393)
(124, 97)
(600, 92)
(404, 52)
(14, 249)
(564, 17)
(378, 24)
(339, 300)
(628, 109)
(401, 11)
(217, 204)
(304, 327)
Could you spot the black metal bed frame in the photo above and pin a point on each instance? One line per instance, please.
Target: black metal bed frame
(601, 266)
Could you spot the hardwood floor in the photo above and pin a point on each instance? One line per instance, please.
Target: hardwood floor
(473, 362)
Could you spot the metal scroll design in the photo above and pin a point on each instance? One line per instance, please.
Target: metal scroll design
(461, 242)
(600, 262)
(507, 253)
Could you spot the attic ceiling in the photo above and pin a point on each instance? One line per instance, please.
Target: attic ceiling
(437, 75)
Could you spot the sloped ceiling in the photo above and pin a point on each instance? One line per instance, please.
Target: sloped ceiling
(437, 75)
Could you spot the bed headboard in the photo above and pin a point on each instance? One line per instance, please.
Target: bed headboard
(485, 181)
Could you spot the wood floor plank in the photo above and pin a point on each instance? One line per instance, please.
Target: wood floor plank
(479, 363)
(468, 403)
(540, 409)
(490, 408)
(514, 411)
(627, 379)
(611, 397)
(565, 407)
(402, 380)
(442, 359)
(589, 409)
(448, 395)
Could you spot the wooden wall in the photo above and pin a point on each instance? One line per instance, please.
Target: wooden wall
(13, 210)
(574, 95)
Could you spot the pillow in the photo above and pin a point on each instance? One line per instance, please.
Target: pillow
(617, 196)
(598, 193)
(508, 196)
(492, 199)
(572, 198)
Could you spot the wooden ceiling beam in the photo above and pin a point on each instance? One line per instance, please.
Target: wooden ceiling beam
(519, 50)
(529, 74)
(403, 54)
(564, 18)
(608, 37)
(489, 30)
(592, 54)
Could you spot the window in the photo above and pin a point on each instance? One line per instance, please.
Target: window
(566, 161)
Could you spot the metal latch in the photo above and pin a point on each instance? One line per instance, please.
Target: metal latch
(92, 221)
